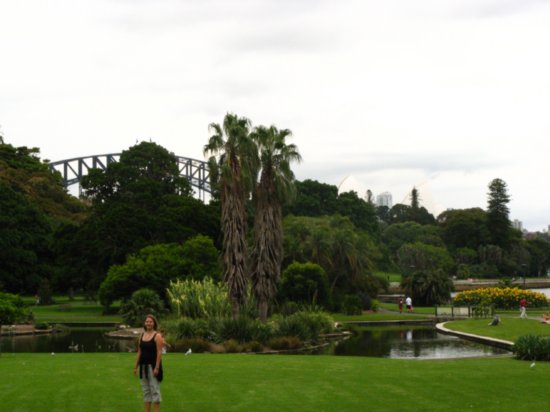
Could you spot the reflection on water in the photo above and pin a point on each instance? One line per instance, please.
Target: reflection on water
(410, 342)
(72, 340)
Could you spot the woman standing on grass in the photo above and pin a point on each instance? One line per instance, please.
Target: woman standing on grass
(149, 355)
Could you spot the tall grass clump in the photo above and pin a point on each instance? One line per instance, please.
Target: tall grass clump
(199, 299)
(532, 347)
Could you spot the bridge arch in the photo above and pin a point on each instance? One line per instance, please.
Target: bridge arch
(72, 170)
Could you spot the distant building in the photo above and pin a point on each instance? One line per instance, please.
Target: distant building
(517, 224)
(384, 199)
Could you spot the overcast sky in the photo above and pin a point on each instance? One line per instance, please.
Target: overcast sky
(444, 95)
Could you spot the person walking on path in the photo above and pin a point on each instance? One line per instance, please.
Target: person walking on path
(148, 360)
(523, 308)
(400, 305)
(408, 302)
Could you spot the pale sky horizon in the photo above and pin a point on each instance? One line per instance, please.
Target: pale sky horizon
(444, 95)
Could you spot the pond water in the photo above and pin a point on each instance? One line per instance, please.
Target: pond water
(421, 342)
(70, 340)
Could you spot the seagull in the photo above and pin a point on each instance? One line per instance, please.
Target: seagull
(532, 365)
(189, 351)
(495, 321)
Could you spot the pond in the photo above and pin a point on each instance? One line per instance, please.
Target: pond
(419, 342)
(69, 340)
(402, 342)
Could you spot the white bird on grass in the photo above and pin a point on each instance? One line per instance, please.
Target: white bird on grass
(189, 351)
(532, 365)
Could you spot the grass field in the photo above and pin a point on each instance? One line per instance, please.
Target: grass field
(104, 382)
(65, 310)
(510, 328)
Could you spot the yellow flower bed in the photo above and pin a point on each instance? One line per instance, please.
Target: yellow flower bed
(502, 298)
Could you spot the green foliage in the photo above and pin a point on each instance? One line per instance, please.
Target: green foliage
(155, 266)
(305, 283)
(352, 305)
(24, 242)
(428, 287)
(139, 201)
(142, 303)
(199, 299)
(45, 294)
(11, 308)
(345, 253)
(422, 257)
(464, 228)
(532, 347)
(399, 234)
(307, 326)
(501, 298)
(498, 221)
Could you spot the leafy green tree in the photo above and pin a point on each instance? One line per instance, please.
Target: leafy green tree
(398, 234)
(276, 187)
(418, 256)
(233, 167)
(138, 201)
(313, 199)
(428, 287)
(153, 267)
(333, 242)
(464, 228)
(305, 283)
(360, 212)
(498, 221)
(24, 242)
(539, 251)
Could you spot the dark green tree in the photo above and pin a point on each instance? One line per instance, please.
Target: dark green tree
(139, 201)
(313, 199)
(498, 221)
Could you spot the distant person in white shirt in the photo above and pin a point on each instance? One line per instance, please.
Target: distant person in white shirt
(409, 303)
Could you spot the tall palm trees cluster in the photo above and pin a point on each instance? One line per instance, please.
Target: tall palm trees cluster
(245, 162)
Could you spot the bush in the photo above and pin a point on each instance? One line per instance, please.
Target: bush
(352, 305)
(532, 347)
(305, 283)
(305, 325)
(142, 303)
(502, 298)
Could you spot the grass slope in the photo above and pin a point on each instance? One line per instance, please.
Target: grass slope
(509, 328)
(104, 382)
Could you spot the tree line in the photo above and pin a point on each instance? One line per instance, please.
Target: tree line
(138, 225)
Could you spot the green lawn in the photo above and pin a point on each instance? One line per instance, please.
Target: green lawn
(510, 328)
(104, 382)
(77, 310)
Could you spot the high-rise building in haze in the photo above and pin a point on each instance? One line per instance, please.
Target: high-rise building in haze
(517, 224)
(384, 199)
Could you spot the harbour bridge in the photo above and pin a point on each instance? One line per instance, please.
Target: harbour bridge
(72, 170)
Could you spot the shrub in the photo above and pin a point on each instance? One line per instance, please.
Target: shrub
(532, 347)
(305, 325)
(502, 298)
(142, 303)
(352, 305)
(305, 283)
(197, 345)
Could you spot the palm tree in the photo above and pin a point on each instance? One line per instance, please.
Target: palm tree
(276, 186)
(233, 169)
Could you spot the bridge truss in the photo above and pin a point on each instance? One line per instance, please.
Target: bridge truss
(72, 170)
